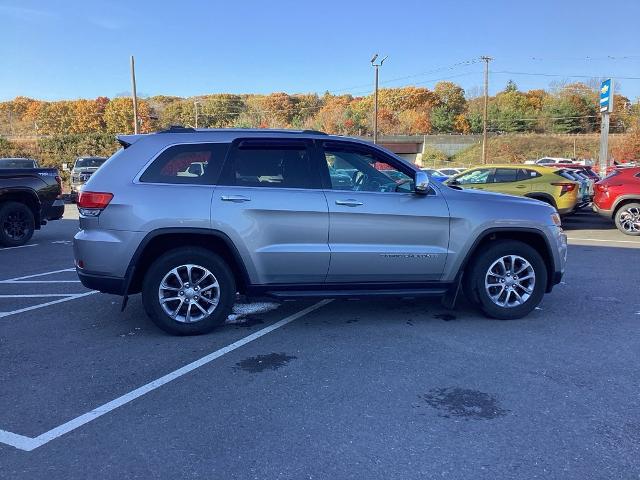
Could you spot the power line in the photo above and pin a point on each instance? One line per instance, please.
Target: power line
(562, 75)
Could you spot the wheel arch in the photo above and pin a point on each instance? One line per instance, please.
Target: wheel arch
(160, 241)
(26, 196)
(544, 197)
(531, 236)
(622, 201)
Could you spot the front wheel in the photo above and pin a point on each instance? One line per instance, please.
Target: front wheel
(188, 291)
(628, 219)
(508, 280)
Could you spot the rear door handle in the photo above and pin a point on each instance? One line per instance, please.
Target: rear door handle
(521, 186)
(235, 198)
(350, 202)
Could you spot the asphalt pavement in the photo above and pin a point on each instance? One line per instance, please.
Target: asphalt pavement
(347, 389)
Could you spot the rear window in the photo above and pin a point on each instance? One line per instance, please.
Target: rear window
(503, 175)
(527, 174)
(17, 163)
(270, 164)
(196, 164)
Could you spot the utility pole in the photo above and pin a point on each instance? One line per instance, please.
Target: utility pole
(606, 107)
(134, 95)
(375, 96)
(195, 106)
(485, 115)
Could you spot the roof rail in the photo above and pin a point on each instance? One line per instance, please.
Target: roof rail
(314, 132)
(182, 129)
(178, 129)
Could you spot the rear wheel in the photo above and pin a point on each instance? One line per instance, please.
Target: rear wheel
(507, 280)
(628, 219)
(16, 224)
(188, 291)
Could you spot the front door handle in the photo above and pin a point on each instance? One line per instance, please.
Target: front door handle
(349, 202)
(235, 198)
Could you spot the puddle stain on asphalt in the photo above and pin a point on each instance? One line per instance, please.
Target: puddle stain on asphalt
(260, 363)
(247, 322)
(447, 317)
(464, 403)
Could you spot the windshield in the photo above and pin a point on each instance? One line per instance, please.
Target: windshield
(17, 163)
(89, 162)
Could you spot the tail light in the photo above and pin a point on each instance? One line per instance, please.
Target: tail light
(566, 187)
(59, 182)
(600, 187)
(90, 204)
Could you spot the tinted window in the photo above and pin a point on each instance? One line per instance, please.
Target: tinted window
(17, 163)
(474, 176)
(89, 162)
(197, 164)
(362, 170)
(259, 163)
(526, 174)
(503, 175)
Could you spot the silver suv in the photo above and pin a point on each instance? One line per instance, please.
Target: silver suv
(192, 217)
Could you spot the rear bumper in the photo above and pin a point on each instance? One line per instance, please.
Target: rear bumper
(55, 211)
(602, 211)
(102, 283)
(566, 211)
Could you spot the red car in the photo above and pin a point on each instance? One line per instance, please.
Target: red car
(618, 197)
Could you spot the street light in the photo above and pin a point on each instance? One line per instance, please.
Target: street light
(375, 95)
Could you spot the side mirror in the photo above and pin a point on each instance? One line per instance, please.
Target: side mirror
(453, 182)
(421, 182)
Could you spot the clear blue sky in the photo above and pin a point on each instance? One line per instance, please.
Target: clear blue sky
(80, 49)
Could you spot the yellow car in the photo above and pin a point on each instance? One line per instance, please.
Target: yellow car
(533, 181)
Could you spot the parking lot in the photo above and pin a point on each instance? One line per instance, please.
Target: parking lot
(343, 389)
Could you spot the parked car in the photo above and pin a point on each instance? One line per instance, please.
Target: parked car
(18, 162)
(533, 181)
(434, 174)
(554, 160)
(617, 197)
(82, 170)
(29, 197)
(450, 172)
(265, 218)
(585, 190)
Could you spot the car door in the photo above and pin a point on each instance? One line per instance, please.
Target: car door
(269, 201)
(505, 180)
(379, 229)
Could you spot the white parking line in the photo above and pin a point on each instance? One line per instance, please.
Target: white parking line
(15, 279)
(28, 443)
(39, 295)
(603, 240)
(21, 246)
(71, 296)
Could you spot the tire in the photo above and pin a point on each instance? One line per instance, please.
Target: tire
(627, 219)
(172, 269)
(507, 306)
(17, 224)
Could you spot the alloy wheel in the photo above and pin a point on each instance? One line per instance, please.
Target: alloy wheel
(630, 220)
(16, 225)
(189, 293)
(510, 281)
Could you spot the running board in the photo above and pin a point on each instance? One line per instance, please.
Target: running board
(411, 292)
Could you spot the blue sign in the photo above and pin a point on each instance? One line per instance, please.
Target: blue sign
(606, 96)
